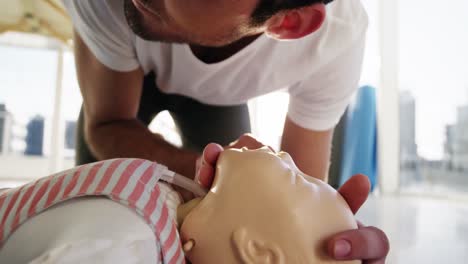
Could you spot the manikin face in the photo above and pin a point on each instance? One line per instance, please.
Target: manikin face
(202, 22)
(262, 209)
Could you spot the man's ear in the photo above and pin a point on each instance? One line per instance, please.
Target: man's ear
(251, 249)
(296, 23)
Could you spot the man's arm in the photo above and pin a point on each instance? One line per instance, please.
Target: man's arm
(111, 100)
(309, 149)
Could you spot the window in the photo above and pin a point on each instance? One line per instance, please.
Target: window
(433, 97)
(33, 75)
(71, 104)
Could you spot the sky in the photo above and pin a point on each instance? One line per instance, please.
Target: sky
(433, 67)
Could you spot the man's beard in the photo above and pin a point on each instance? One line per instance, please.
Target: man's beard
(136, 23)
(166, 33)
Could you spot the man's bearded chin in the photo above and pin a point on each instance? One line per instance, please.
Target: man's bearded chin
(137, 24)
(162, 32)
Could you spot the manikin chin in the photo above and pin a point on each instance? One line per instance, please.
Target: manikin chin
(262, 209)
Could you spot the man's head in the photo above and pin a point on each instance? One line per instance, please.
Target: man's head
(221, 22)
(262, 209)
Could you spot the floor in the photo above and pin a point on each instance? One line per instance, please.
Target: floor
(425, 229)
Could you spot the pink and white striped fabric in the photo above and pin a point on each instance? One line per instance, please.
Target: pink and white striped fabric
(131, 182)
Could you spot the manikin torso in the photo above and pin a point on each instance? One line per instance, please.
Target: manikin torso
(46, 221)
(82, 227)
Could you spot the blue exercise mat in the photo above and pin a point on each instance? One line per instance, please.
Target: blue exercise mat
(360, 138)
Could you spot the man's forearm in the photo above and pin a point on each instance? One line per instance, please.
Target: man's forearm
(310, 150)
(134, 140)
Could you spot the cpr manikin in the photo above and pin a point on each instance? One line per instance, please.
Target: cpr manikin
(262, 209)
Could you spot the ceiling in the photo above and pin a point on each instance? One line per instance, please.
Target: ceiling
(44, 17)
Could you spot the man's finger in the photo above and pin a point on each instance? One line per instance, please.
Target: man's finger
(205, 175)
(355, 191)
(367, 243)
(211, 153)
(206, 164)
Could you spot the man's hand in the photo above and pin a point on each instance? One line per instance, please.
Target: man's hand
(369, 244)
(206, 164)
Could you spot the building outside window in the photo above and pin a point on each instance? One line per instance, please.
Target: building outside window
(433, 98)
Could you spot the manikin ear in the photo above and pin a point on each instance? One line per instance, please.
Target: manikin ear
(296, 23)
(250, 249)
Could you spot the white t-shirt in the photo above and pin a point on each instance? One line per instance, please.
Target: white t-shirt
(320, 71)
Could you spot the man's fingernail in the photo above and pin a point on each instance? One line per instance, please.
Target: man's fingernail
(342, 248)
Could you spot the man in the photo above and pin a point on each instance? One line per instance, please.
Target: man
(130, 68)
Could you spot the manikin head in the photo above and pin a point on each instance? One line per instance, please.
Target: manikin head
(221, 22)
(262, 209)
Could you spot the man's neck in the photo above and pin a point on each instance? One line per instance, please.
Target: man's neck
(216, 54)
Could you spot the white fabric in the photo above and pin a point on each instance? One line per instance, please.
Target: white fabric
(86, 230)
(320, 71)
(99, 251)
(173, 199)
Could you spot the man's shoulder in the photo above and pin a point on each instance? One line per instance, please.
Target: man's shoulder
(347, 14)
(345, 26)
(105, 12)
(103, 27)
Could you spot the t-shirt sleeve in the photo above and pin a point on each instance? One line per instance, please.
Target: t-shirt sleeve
(318, 101)
(103, 27)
